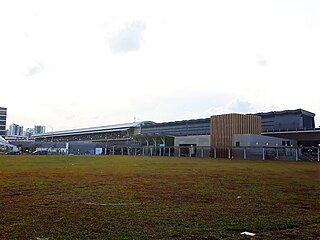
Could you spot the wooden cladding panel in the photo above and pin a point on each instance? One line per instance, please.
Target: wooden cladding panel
(223, 127)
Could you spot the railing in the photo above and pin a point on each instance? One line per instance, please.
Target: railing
(262, 153)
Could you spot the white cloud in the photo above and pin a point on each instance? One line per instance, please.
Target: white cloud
(240, 106)
(37, 67)
(129, 38)
(178, 59)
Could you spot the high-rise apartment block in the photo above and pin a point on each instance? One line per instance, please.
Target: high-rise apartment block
(29, 132)
(15, 130)
(38, 129)
(3, 121)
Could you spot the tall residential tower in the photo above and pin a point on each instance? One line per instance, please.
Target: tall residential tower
(3, 120)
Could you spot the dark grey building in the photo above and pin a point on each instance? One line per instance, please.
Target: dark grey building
(178, 128)
(3, 121)
(287, 120)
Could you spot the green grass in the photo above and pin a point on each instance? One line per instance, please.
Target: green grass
(179, 198)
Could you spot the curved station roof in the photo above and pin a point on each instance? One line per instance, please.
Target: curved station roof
(91, 130)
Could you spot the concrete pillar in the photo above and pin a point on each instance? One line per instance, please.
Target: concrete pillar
(202, 152)
(244, 153)
(263, 156)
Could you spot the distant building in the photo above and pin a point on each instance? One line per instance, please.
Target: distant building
(298, 119)
(29, 132)
(3, 121)
(214, 136)
(38, 129)
(15, 130)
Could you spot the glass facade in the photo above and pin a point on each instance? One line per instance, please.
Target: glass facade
(287, 120)
(179, 128)
(3, 120)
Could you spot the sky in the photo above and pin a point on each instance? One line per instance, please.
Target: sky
(84, 63)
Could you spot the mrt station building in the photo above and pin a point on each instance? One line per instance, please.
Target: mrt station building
(219, 132)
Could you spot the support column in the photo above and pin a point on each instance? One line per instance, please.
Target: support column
(201, 152)
(179, 152)
(229, 153)
(214, 153)
(244, 153)
(263, 157)
(296, 154)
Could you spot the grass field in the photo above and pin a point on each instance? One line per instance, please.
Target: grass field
(58, 197)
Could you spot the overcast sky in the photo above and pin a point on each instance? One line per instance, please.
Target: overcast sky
(73, 64)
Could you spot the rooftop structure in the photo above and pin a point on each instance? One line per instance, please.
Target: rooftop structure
(178, 128)
(102, 133)
(298, 119)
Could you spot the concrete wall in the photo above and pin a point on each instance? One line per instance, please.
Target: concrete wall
(253, 140)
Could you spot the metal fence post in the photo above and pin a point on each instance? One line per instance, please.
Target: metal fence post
(202, 152)
(263, 157)
(229, 153)
(297, 154)
(244, 153)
